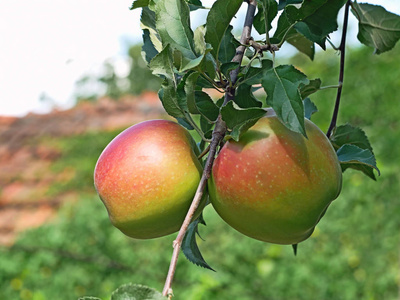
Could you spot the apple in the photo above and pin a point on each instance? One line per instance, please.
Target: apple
(147, 177)
(274, 185)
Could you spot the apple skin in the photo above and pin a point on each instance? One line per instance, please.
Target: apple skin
(274, 185)
(147, 177)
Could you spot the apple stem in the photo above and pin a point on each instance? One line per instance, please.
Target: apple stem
(342, 48)
(217, 137)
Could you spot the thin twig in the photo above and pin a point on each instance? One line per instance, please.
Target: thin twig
(342, 49)
(217, 136)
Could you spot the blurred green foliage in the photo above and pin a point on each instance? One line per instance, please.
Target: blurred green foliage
(353, 254)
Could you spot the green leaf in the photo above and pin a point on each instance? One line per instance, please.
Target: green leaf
(190, 87)
(316, 19)
(189, 244)
(267, 9)
(294, 247)
(254, 75)
(194, 63)
(239, 120)
(206, 106)
(173, 102)
(195, 5)
(301, 43)
(170, 100)
(205, 126)
(185, 123)
(199, 41)
(309, 108)
(244, 97)
(351, 156)
(226, 68)
(307, 8)
(377, 27)
(148, 49)
(139, 3)
(173, 26)
(282, 87)
(148, 21)
(294, 38)
(347, 134)
(218, 19)
(310, 88)
(162, 64)
(136, 292)
(228, 45)
(283, 3)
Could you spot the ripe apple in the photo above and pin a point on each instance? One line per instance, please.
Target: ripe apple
(147, 177)
(274, 185)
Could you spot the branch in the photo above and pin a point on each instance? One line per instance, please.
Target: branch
(217, 136)
(342, 49)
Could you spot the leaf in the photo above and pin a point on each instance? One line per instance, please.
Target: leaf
(206, 106)
(282, 87)
(294, 246)
(194, 63)
(195, 5)
(351, 156)
(148, 49)
(227, 48)
(254, 75)
(283, 3)
(307, 8)
(294, 38)
(170, 100)
(267, 9)
(185, 123)
(136, 292)
(244, 97)
(208, 64)
(199, 41)
(189, 244)
(148, 21)
(190, 87)
(162, 64)
(301, 43)
(229, 66)
(205, 126)
(239, 120)
(347, 134)
(377, 27)
(218, 19)
(173, 102)
(173, 26)
(139, 3)
(310, 88)
(316, 19)
(309, 108)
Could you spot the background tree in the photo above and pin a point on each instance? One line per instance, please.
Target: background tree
(138, 79)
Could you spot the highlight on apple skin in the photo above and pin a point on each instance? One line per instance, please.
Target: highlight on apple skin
(147, 177)
(274, 185)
